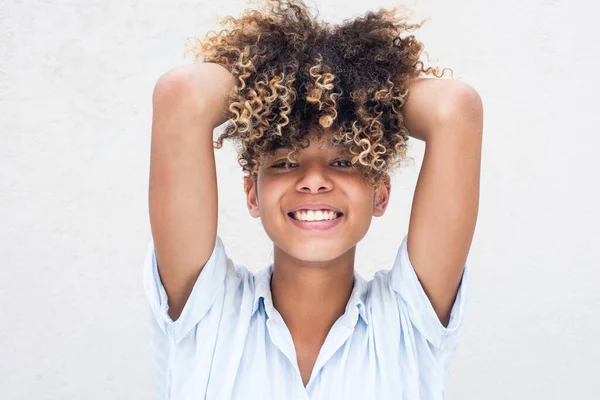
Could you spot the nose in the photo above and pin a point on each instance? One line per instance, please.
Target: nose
(314, 179)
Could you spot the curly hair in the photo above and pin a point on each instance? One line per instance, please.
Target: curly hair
(298, 76)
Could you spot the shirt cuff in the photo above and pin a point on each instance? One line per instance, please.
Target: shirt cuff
(209, 283)
(405, 283)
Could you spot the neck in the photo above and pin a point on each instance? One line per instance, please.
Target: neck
(311, 296)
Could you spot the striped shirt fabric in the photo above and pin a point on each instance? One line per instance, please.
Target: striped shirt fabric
(231, 343)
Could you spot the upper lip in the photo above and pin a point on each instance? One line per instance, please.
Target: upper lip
(315, 206)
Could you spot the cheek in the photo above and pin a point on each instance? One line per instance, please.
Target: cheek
(269, 197)
(363, 203)
(361, 193)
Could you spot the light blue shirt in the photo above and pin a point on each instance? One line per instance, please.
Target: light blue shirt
(231, 343)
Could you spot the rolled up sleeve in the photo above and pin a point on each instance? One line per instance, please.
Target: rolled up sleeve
(209, 284)
(404, 281)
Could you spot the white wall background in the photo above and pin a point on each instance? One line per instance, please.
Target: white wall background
(76, 80)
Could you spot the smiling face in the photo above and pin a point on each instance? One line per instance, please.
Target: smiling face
(319, 174)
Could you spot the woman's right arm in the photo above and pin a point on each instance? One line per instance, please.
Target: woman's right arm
(188, 103)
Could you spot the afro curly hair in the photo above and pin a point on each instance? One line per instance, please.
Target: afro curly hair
(297, 76)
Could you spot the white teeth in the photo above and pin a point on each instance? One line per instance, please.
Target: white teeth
(319, 215)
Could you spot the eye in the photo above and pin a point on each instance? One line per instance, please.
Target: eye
(284, 163)
(346, 161)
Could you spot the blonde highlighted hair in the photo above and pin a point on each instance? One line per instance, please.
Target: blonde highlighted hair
(297, 76)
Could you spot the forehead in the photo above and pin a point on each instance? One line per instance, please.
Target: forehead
(324, 143)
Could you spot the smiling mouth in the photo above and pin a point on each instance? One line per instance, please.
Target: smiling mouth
(292, 215)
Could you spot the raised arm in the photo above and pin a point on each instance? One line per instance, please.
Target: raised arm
(448, 116)
(188, 103)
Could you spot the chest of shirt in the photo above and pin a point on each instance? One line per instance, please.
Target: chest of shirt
(258, 361)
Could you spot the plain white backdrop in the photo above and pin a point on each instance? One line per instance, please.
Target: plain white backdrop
(76, 80)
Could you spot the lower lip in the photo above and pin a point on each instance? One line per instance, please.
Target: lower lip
(320, 225)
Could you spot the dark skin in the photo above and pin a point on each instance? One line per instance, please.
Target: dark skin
(313, 270)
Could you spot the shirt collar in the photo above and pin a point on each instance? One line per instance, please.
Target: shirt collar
(262, 289)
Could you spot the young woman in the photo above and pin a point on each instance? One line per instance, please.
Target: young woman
(321, 115)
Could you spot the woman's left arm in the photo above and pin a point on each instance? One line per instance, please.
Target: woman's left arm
(448, 116)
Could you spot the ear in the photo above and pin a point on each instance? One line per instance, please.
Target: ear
(250, 188)
(381, 197)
